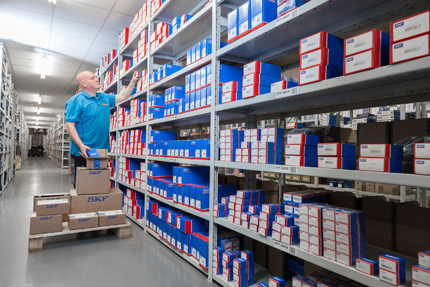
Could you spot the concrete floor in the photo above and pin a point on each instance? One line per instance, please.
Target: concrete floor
(78, 260)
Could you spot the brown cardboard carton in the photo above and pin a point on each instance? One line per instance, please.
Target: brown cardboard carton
(379, 221)
(46, 224)
(52, 206)
(307, 179)
(374, 133)
(296, 178)
(288, 177)
(370, 186)
(412, 228)
(112, 217)
(92, 181)
(83, 220)
(269, 185)
(95, 203)
(343, 199)
(260, 253)
(348, 136)
(272, 197)
(100, 161)
(277, 262)
(51, 197)
(410, 128)
(360, 185)
(390, 189)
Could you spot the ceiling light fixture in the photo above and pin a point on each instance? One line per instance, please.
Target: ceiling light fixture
(39, 100)
(44, 67)
(52, 1)
(38, 110)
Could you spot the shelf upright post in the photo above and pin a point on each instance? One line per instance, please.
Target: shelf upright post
(149, 62)
(250, 176)
(214, 131)
(116, 175)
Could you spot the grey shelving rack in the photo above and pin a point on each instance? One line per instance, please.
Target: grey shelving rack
(401, 83)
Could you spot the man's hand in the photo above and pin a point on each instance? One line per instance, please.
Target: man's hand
(84, 149)
(136, 76)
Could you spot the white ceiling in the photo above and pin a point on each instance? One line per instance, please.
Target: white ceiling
(73, 34)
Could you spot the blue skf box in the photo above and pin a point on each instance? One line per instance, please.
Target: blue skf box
(156, 112)
(289, 5)
(244, 19)
(233, 25)
(206, 47)
(262, 12)
(162, 135)
(171, 69)
(258, 67)
(157, 100)
(368, 266)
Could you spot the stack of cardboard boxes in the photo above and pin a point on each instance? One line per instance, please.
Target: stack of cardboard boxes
(91, 204)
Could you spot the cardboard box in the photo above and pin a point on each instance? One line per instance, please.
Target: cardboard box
(277, 262)
(410, 128)
(260, 253)
(95, 203)
(92, 181)
(411, 229)
(390, 189)
(111, 217)
(52, 206)
(99, 162)
(380, 216)
(52, 197)
(83, 220)
(45, 224)
(374, 133)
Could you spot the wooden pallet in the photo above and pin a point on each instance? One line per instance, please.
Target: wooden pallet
(35, 242)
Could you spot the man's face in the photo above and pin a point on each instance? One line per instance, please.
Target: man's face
(92, 82)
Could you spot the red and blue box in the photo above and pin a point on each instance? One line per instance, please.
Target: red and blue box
(262, 12)
(392, 269)
(285, 6)
(367, 266)
(233, 25)
(276, 282)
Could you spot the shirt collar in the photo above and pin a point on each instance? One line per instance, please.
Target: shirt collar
(88, 95)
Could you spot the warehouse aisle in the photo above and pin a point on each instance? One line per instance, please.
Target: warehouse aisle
(96, 261)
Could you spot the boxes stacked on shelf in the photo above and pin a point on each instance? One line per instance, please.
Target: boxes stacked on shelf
(178, 22)
(258, 78)
(167, 70)
(252, 146)
(142, 48)
(410, 38)
(421, 272)
(329, 120)
(132, 142)
(142, 83)
(93, 198)
(366, 51)
(111, 166)
(267, 218)
(139, 21)
(137, 111)
(250, 16)
(191, 149)
(134, 204)
(162, 31)
(198, 92)
(237, 266)
(126, 65)
(184, 233)
(324, 50)
(342, 234)
(380, 157)
(367, 266)
(336, 155)
(284, 84)
(156, 107)
(123, 117)
(388, 116)
(392, 269)
(113, 120)
(106, 60)
(362, 118)
(276, 282)
(132, 171)
(110, 77)
(155, 5)
(230, 142)
(422, 158)
(228, 77)
(286, 6)
(123, 38)
(301, 150)
(199, 51)
(173, 98)
(231, 92)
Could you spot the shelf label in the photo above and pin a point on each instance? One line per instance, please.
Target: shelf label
(287, 169)
(287, 17)
(283, 246)
(287, 92)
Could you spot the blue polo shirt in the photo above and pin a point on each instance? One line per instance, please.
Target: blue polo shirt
(91, 116)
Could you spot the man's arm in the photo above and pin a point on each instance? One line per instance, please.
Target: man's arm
(127, 92)
(71, 129)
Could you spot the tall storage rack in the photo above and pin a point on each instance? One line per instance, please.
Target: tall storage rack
(7, 124)
(59, 142)
(401, 83)
(22, 134)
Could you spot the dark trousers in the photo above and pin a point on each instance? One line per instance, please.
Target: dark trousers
(77, 161)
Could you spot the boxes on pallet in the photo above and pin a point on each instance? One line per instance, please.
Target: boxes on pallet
(52, 206)
(94, 203)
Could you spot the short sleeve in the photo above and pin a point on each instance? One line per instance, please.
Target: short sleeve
(111, 99)
(73, 111)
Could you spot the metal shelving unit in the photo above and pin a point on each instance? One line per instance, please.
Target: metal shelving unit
(396, 84)
(8, 109)
(59, 142)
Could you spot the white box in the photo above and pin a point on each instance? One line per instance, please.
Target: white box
(424, 259)
(389, 277)
(410, 27)
(410, 49)
(422, 150)
(329, 254)
(329, 234)
(422, 166)
(330, 244)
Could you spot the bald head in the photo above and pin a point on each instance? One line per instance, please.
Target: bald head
(88, 82)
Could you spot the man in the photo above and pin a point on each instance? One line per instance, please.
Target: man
(88, 116)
